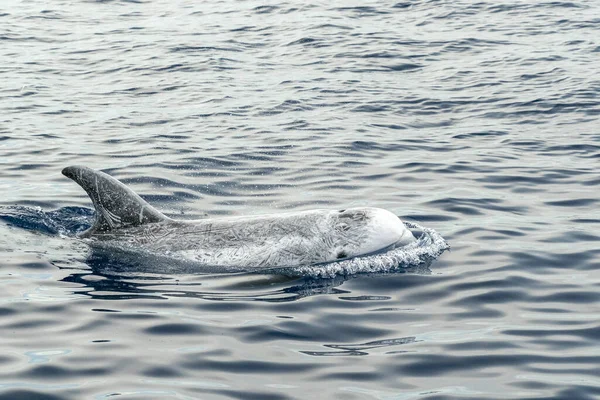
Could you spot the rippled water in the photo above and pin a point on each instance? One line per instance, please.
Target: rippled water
(476, 119)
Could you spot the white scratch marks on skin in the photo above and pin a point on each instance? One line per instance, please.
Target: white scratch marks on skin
(344, 241)
(141, 215)
(253, 242)
(97, 191)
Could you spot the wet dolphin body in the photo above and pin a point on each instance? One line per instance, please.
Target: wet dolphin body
(125, 221)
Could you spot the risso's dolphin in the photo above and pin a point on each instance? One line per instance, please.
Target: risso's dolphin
(125, 221)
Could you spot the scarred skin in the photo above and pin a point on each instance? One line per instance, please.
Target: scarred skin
(125, 221)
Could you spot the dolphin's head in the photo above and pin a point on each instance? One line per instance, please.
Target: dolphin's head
(362, 231)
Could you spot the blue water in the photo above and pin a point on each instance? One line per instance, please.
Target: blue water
(477, 119)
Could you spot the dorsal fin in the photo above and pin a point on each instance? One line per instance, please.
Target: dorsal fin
(116, 205)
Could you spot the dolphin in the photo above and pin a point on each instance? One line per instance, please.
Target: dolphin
(125, 221)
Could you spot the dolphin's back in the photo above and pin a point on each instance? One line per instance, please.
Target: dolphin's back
(116, 205)
(245, 242)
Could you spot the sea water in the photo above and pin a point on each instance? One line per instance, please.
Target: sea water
(477, 120)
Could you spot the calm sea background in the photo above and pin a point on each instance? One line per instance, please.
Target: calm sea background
(477, 119)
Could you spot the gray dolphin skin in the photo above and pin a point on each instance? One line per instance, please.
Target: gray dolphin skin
(125, 221)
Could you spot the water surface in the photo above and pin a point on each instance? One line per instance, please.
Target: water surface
(476, 119)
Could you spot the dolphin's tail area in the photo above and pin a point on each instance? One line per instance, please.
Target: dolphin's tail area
(116, 205)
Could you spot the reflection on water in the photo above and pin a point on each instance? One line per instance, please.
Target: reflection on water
(115, 280)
